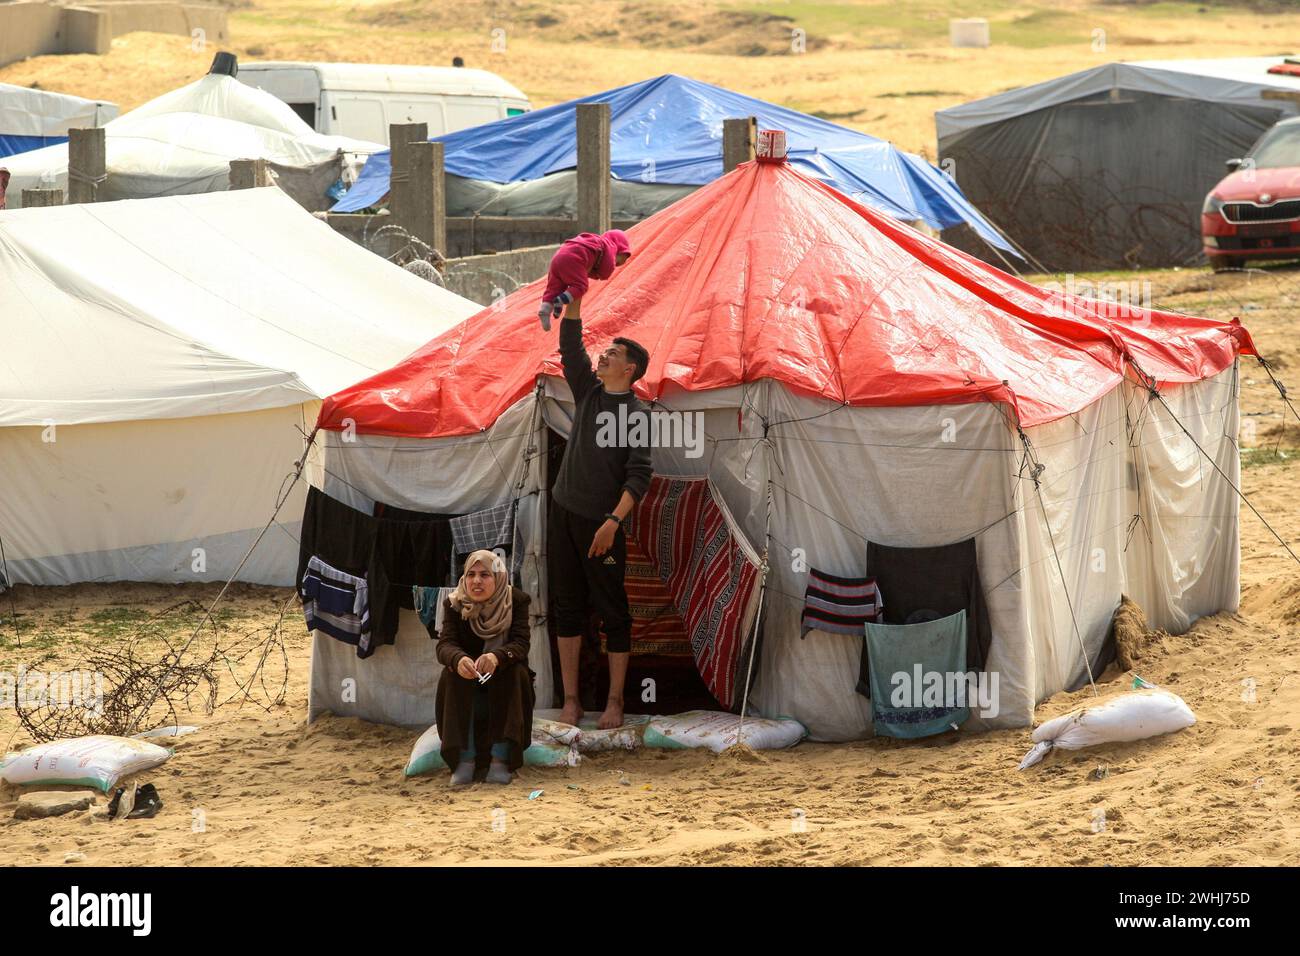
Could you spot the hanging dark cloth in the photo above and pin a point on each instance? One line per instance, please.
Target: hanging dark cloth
(925, 584)
(392, 553)
(416, 545)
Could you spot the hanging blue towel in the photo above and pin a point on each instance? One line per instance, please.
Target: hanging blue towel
(428, 604)
(900, 657)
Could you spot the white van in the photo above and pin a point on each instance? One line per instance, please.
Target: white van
(361, 99)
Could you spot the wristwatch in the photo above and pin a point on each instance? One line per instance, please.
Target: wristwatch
(614, 518)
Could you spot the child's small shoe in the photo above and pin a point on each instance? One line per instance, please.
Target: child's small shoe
(498, 772)
(544, 315)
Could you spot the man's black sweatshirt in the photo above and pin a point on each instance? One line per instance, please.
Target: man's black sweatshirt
(592, 478)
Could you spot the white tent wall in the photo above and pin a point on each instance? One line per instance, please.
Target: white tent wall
(1184, 558)
(906, 477)
(1077, 516)
(131, 501)
(396, 685)
(837, 473)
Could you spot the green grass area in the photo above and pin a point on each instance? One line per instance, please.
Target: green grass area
(925, 22)
(1269, 455)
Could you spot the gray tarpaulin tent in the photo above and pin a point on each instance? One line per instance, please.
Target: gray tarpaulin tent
(1108, 168)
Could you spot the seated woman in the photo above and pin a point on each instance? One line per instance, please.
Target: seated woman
(484, 632)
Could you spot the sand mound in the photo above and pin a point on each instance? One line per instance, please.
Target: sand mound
(1276, 601)
(742, 753)
(1134, 638)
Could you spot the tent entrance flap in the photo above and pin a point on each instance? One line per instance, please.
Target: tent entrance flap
(693, 581)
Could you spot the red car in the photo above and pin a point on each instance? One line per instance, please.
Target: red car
(1254, 213)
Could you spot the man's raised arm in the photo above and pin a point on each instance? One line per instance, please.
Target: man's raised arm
(573, 354)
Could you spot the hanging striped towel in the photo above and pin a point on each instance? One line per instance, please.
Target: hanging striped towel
(336, 603)
(839, 605)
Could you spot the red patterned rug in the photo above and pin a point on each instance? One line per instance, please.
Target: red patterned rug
(707, 591)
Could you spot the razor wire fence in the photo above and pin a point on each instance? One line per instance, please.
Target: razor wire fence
(147, 677)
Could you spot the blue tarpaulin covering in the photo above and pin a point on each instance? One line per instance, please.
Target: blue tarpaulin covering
(12, 145)
(669, 130)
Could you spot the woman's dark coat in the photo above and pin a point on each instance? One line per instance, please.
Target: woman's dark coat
(510, 689)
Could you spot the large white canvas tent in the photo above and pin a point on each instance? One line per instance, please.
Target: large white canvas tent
(856, 382)
(184, 141)
(161, 361)
(31, 119)
(1107, 168)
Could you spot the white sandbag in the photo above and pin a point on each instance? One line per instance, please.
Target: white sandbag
(95, 761)
(553, 732)
(172, 731)
(717, 731)
(591, 739)
(553, 745)
(1133, 715)
(425, 755)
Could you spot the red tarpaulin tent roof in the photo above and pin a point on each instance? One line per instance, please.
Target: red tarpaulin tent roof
(766, 273)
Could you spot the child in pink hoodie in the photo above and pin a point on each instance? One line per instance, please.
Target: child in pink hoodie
(585, 256)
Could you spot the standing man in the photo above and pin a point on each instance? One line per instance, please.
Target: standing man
(599, 483)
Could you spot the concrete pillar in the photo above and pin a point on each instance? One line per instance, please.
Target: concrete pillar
(424, 210)
(400, 137)
(594, 207)
(42, 197)
(738, 138)
(87, 160)
(250, 173)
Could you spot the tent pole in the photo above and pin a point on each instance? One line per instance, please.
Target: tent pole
(764, 565)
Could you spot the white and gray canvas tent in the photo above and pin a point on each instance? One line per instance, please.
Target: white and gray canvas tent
(162, 360)
(1107, 168)
(854, 382)
(184, 141)
(33, 118)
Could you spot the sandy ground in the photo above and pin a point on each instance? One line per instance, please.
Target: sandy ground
(268, 789)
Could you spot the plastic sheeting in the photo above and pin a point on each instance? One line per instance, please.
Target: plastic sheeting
(162, 361)
(668, 130)
(183, 142)
(31, 119)
(767, 274)
(1108, 168)
(169, 500)
(556, 195)
(278, 309)
(1240, 81)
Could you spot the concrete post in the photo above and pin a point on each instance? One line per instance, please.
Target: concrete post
(400, 137)
(42, 197)
(250, 173)
(87, 161)
(738, 139)
(594, 208)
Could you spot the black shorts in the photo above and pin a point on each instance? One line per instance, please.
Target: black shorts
(579, 584)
